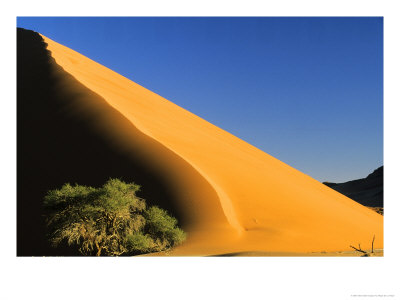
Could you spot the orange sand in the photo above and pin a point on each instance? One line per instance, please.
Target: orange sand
(236, 198)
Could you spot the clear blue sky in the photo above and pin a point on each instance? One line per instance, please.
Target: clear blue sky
(308, 91)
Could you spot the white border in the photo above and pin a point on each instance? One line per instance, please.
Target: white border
(199, 278)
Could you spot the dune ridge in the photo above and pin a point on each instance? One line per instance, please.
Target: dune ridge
(65, 57)
(67, 133)
(229, 196)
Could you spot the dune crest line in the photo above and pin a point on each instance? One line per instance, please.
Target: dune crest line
(68, 133)
(226, 203)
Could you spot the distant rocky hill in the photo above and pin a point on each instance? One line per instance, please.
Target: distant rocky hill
(366, 191)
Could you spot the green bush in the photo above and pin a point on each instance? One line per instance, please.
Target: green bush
(110, 220)
(160, 225)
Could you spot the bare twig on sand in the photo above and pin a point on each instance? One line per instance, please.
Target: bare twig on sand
(372, 250)
(359, 249)
(365, 252)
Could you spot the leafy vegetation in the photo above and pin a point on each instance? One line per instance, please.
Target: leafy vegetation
(110, 220)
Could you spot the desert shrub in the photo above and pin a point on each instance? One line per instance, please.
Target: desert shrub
(110, 220)
(140, 242)
(161, 226)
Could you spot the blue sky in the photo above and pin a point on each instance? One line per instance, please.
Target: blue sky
(308, 91)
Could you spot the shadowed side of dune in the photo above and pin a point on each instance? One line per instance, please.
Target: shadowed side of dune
(67, 133)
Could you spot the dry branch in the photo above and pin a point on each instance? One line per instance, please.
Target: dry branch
(359, 250)
(372, 250)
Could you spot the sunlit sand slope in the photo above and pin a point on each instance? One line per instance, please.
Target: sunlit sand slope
(228, 195)
(68, 133)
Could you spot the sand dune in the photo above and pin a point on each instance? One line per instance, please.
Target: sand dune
(78, 121)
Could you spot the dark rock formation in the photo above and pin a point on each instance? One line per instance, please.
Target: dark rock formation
(366, 191)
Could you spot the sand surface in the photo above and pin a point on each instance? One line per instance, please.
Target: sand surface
(229, 196)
